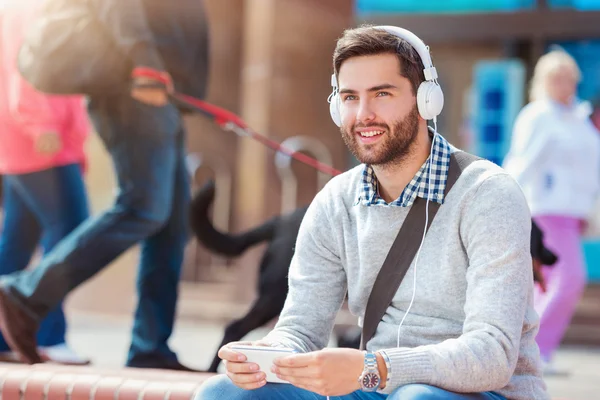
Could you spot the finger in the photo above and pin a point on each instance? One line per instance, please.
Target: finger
(225, 353)
(247, 379)
(251, 386)
(296, 360)
(242, 367)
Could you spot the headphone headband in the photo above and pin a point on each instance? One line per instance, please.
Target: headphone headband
(412, 39)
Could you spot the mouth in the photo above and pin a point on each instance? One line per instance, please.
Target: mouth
(370, 136)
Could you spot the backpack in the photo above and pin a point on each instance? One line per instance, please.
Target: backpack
(68, 50)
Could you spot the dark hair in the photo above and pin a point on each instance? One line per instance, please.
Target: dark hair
(366, 41)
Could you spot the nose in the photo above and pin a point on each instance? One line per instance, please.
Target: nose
(365, 112)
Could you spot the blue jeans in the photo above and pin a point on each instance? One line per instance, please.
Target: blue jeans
(220, 387)
(40, 207)
(146, 144)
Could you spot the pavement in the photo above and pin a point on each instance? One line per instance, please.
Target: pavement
(105, 339)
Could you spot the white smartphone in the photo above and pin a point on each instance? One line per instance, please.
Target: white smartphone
(264, 356)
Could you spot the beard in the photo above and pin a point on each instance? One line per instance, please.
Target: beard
(389, 150)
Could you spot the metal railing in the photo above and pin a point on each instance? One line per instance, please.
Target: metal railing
(283, 163)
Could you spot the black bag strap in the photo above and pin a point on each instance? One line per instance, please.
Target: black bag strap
(404, 249)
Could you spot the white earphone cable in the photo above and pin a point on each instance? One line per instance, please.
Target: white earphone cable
(429, 192)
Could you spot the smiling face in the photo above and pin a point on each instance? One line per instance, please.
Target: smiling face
(380, 120)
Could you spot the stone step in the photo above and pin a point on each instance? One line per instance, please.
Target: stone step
(585, 325)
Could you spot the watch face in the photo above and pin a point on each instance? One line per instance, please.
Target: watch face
(370, 380)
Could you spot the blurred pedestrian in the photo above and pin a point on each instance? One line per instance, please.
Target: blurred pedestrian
(166, 44)
(555, 157)
(41, 157)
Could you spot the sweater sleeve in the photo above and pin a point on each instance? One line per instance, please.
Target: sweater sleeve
(127, 22)
(495, 228)
(317, 284)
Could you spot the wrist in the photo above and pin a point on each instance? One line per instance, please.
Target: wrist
(149, 74)
(370, 379)
(382, 367)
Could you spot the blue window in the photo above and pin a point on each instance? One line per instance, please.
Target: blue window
(498, 90)
(587, 55)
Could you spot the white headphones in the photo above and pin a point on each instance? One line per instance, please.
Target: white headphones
(430, 98)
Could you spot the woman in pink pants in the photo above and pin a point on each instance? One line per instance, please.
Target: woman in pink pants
(555, 157)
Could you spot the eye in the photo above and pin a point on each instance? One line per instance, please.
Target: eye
(380, 94)
(349, 97)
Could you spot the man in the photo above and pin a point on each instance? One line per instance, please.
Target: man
(144, 134)
(471, 327)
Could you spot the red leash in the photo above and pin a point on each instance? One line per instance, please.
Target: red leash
(227, 120)
(231, 122)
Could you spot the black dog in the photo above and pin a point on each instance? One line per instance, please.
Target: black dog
(280, 232)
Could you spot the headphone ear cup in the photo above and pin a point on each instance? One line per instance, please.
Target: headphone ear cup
(430, 100)
(334, 109)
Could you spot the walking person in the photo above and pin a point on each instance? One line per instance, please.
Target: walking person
(42, 155)
(167, 45)
(555, 157)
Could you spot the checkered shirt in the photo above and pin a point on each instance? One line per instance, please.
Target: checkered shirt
(419, 185)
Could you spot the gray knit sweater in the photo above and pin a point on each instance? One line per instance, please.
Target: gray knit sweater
(472, 325)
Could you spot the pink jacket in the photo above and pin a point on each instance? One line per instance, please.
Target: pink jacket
(26, 113)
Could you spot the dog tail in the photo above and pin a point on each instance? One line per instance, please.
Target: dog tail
(219, 242)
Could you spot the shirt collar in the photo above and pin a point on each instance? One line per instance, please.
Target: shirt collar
(419, 185)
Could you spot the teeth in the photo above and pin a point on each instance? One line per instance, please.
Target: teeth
(370, 133)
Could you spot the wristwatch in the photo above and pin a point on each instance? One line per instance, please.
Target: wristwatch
(369, 379)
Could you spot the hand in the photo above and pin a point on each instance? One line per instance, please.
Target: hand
(243, 374)
(154, 96)
(328, 372)
(538, 276)
(48, 143)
